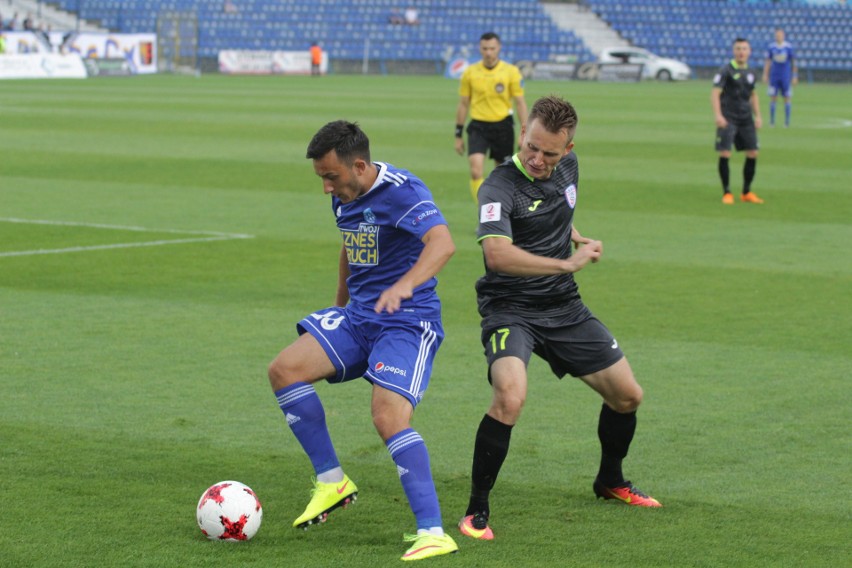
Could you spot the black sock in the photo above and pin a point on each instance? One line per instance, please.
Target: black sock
(490, 449)
(615, 432)
(725, 174)
(748, 173)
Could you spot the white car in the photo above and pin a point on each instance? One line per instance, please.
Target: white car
(655, 67)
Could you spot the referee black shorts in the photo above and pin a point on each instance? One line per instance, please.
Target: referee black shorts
(739, 134)
(497, 139)
(578, 349)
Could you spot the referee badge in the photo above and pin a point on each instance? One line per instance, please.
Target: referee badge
(571, 195)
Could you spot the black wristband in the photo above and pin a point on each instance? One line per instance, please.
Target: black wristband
(459, 130)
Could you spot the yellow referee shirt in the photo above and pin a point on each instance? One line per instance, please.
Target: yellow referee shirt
(491, 90)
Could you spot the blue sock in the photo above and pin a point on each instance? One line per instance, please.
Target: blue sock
(306, 417)
(772, 112)
(411, 457)
(787, 109)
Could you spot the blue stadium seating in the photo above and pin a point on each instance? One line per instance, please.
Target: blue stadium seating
(344, 27)
(701, 32)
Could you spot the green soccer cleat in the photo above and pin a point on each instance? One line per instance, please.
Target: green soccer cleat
(428, 545)
(325, 498)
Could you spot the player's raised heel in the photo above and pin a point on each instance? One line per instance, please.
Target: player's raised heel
(325, 498)
(627, 493)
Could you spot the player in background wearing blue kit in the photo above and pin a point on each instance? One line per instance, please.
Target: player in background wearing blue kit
(780, 73)
(385, 326)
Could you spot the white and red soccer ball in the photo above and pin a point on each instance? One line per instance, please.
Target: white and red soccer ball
(229, 510)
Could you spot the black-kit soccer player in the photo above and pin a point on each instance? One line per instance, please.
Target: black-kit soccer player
(737, 111)
(385, 326)
(529, 303)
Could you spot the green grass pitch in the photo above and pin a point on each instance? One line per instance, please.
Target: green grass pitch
(184, 233)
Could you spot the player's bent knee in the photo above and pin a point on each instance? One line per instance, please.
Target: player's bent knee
(507, 409)
(388, 425)
(280, 375)
(626, 402)
(274, 375)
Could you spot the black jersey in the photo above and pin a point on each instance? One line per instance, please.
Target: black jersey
(537, 216)
(737, 84)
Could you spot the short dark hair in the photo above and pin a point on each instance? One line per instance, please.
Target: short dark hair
(345, 138)
(741, 40)
(555, 114)
(489, 35)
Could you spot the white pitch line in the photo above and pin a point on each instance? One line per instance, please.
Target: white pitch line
(210, 236)
(835, 123)
(122, 227)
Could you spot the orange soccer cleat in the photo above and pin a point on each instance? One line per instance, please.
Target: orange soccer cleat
(626, 493)
(476, 526)
(750, 198)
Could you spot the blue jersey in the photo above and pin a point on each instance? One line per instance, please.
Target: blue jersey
(382, 232)
(781, 56)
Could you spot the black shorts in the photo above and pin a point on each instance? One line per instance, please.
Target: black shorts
(497, 139)
(742, 135)
(578, 349)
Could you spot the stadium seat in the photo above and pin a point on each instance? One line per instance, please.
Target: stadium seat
(698, 31)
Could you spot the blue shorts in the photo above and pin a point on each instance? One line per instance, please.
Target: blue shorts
(395, 353)
(780, 86)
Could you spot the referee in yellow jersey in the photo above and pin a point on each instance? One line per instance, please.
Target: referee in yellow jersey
(487, 90)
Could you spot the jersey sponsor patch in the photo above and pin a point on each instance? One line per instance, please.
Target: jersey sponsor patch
(362, 246)
(571, 195)
(423, 215)
(382, 368)
(489, 212)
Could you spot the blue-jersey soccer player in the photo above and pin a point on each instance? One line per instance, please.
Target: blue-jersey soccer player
(780, 73)
(385, 326)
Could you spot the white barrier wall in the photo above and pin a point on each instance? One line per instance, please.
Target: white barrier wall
(268, 62)
(41, 66)
(139, 50)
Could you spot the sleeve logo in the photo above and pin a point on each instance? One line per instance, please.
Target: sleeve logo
(489, 212)
(571, 195)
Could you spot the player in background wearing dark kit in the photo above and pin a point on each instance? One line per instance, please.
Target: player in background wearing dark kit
(385, 326)
(780, 73)
(487, 89)
(529, 303)
(737, 110)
